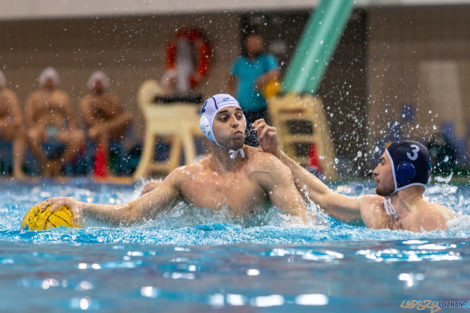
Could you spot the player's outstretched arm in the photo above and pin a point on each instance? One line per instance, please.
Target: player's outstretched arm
(344, 208)
(144, 208)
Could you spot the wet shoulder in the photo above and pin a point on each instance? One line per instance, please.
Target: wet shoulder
(266, 167)
(183, 173)
(434, 216)
(60, 95)
(86, 99)
(7, 92)
(8, 96)
(262, 161)
(36, 94)
(111, 97)
(373, 211)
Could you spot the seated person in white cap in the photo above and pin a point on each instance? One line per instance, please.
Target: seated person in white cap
(102, 113)
(240, 178)
(401, 177)
(52, 134)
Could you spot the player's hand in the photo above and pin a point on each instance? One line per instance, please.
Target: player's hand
(267, 137)
(71, 203)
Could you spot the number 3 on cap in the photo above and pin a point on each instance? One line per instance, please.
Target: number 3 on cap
(415, 151)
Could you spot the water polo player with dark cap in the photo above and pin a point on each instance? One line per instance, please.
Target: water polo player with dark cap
(401, 177)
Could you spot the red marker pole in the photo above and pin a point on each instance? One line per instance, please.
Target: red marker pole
(314, 161)
(100, 167)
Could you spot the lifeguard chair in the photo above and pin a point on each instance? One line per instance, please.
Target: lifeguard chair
(303, 131)
(178, 121)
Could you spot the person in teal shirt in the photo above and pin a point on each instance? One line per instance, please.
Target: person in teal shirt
(249, 74)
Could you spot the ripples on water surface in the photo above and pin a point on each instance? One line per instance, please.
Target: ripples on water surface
(191, 260)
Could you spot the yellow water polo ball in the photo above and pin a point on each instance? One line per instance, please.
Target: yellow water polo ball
(271, 89)
(38, 219)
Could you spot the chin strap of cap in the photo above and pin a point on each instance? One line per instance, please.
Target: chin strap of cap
(234, 153)
(389, 209)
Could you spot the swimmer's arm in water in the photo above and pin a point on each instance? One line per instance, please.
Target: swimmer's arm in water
(145, 207)
(276, 179)
(367, 208)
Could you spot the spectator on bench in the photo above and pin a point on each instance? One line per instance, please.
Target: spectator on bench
(52, 128)
(106, 120)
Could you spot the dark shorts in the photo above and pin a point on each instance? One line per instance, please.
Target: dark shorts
(53, 149)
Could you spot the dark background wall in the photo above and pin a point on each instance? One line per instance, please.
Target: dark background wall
(377, 66)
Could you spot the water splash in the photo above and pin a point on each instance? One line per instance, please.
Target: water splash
(187, 225)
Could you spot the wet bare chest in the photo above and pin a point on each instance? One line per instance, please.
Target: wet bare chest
(238, 193)
(49, 106)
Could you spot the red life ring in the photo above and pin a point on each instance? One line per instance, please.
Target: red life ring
(197, 39)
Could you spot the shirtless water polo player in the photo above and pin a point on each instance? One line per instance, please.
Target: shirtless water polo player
(241, 178)
(401, 177)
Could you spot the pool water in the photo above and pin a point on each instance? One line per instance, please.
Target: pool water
(195, 260)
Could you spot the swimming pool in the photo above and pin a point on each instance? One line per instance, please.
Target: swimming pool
(191, 260)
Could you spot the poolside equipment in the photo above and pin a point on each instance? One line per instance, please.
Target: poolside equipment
(100, 166)
(301, 120)
(38, 219)
(317, 44)
(303, 131)
(178, 122)
(198, 41)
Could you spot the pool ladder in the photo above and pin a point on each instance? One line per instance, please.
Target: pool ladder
(178, 122)
(302, 127)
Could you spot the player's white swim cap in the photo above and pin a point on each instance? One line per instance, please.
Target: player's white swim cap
(209, 110)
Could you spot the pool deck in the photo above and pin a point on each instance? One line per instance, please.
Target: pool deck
(122, 180)
(127, 180)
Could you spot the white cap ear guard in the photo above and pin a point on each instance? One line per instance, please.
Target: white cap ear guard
(206, 128)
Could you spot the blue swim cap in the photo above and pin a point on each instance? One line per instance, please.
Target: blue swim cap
(411, 164)
(209, 110)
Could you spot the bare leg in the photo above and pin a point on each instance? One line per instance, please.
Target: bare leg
(18, 153)
(35, 137)
(15, 133)
(73, 139)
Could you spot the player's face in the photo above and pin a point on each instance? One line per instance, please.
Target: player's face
(384, 177)
(229, 127)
